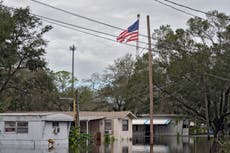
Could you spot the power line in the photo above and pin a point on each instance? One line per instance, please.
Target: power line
(62, 25)
(183, 11)
(193, 9)
(80, 27)
(80, 16)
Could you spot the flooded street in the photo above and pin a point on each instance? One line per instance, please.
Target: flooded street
(162, 145)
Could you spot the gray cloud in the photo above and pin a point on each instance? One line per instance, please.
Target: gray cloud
(94, 54)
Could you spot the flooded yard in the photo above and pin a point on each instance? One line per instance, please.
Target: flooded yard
(162, 145)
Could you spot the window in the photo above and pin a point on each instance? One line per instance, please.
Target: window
(108, 125)
(135, 128)
(125, 149)
(185, 123)
(22, 127)
(125, 125)
(17, 127)
(55, 124)
(56, 128)
(10, 126)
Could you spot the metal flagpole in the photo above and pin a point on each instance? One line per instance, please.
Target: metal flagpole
(137, 45)
(150, 81)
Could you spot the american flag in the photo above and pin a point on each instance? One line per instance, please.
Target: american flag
(130, 34)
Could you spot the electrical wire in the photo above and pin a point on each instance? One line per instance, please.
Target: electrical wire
(62, 25)
(80, 27)
(183, 11)
(193, 9)
(80, 16)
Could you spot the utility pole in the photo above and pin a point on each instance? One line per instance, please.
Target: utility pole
(150, 81)
(73, 48)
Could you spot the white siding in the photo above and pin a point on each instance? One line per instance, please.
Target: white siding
(39, 131)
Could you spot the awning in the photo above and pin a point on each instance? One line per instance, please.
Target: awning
(147, 121)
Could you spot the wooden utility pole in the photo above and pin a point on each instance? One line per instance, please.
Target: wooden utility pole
(77, 113)
(150, 81)
(73, 48)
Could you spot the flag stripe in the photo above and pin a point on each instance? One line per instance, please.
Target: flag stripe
(130, 34)
(133, 38)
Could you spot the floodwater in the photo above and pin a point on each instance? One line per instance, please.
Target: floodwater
(161, 145)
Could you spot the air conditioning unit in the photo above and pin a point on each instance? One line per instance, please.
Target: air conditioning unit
(56, 130)
(108, 131)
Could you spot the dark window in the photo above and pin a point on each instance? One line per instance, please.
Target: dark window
(56, 128)
(135, 128)
(125, 125)
(108, 125)
(125, 149)
(55, 124)
(10, 126)
(185, 124)
(22, 127)
(17, 127)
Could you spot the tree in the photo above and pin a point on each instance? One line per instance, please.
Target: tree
(63, 80)
(25, 82)
(21, 44)
(196, 62)
(33, 91)
(116, 79)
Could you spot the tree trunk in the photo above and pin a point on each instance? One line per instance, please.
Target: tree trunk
(206, 108)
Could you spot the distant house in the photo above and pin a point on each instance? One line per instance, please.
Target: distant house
(164, 124)
(118, 124)
(35, 129)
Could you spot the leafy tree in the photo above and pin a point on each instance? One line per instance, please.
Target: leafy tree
(116, 79)
(25, 83)
(90, 100)
(21, 44)
(63, 80)
(33, 91)
(196, 62)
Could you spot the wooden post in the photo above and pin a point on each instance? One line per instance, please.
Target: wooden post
(150, 81)
(74, 113)
(77, 112)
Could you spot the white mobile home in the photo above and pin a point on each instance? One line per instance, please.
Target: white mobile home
(164, 125)
(35, 129)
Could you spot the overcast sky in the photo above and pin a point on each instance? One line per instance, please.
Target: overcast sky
(95, 54)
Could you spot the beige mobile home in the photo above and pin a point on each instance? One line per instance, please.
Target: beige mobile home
(118, 124)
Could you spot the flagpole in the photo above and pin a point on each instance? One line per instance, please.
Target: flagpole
(137, 45)
(150, 81)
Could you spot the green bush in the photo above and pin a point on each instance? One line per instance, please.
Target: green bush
(108, 138)
(78, 140)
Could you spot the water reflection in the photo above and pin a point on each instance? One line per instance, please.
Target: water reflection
(26, 149)
(161, 145)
